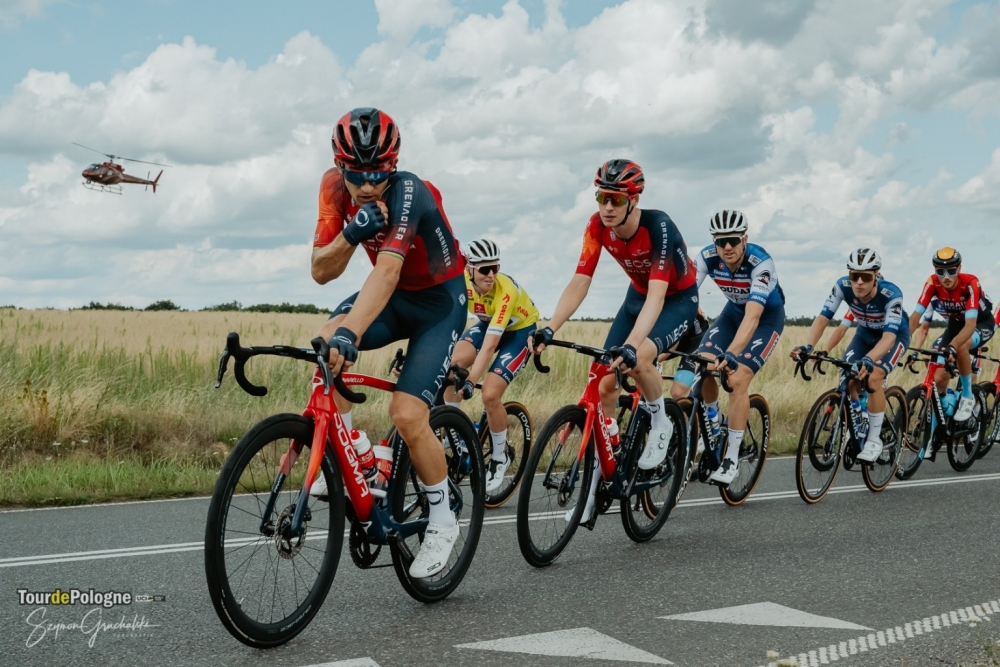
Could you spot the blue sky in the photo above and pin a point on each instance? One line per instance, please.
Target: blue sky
(832, 124)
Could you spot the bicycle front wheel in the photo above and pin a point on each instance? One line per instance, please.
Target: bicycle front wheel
(644, 514)
(963, 449)
(878, 475)
(554, 489)
(518, 446)
(753, 452)
(991, 423)
(265, 584)
(820, 445)
(458, 437)
(917, 435)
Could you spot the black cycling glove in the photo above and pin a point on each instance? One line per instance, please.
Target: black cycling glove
(367, 222)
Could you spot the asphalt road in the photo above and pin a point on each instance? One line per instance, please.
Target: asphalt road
(859, 579)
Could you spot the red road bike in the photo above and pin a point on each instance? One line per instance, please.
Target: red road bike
(272, 549)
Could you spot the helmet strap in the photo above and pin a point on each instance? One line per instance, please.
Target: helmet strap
(628, 212)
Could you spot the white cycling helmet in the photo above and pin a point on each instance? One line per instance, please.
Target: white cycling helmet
(482, 251)
(728, 222)
(864, 259)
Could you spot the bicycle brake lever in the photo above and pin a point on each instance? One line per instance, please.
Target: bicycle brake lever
(223, 365)
(323, 361)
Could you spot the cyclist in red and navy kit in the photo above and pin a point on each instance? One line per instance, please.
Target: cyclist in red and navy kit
(746, 331)
(970, 320)
(416, 291)
(660, 304)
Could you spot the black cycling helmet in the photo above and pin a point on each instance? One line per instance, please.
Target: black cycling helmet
(947, 258)
(621, 176)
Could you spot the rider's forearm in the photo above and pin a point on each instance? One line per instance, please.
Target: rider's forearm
(482, 361)
(650, 312)
(915, 320)
(883, 346)
(965, 334)
(330, 261)
(374, 294)
(835, 338)
(751, 318)
(570, 300)
(918, 338)
(816, 330)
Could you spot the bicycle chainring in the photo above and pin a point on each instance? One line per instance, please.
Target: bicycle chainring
(362, 552)
(602, 497)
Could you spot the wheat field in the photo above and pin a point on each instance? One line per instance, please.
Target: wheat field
(93, 389)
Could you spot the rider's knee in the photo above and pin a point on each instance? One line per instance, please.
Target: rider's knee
(492, 393)
(408, 413)
(679, 390)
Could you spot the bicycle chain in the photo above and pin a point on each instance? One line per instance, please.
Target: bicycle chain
(361, 547)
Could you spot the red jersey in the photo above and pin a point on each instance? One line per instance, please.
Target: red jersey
(418, 231)
(655, 252)
(965, 300)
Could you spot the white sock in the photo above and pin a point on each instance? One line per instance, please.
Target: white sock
(733, 448)
(348, 420)
(499, 445)
(658, 415)
(440, 508)
(875, 426)
(454, 404)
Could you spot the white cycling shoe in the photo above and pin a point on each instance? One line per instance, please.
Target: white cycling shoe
(319, 488)
(871, 452)
(964, 409)
(656, 447)
(495, 474)
(434, 552)
(588, 512)
(726, 473)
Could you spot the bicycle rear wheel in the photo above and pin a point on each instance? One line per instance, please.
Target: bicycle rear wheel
(554, 487)
(878, 475)
(753, 452)
(518, 446)
(266, 585)
(643, 514)
(963, 449)
(409, 502)
(917, 435)
(991, 423)
(820, 447)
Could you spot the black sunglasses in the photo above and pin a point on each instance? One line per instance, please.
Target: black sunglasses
(731, 241)
(488, 269)
(359, 178)
(863, 276)
(946, 273)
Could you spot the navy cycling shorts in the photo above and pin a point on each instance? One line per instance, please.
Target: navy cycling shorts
(431, 319)
(865, 339)
(676, 317)
(512, 350)
(983, 332)
(764, 341)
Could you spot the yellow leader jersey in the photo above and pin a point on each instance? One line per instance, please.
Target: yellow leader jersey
(505, 307)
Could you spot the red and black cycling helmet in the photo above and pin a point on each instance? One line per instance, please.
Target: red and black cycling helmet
(366, 139)
(947, 258)
(620, 176)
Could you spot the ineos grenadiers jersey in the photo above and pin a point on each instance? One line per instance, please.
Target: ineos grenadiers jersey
(655, 252)
(883, 313)
(966, 301)
(418, 231)
(756, 279)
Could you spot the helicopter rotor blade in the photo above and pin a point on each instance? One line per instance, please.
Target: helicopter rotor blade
(119, 157)
(93, 149)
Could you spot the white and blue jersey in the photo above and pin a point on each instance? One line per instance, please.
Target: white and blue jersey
(884, 313)
(756, 279)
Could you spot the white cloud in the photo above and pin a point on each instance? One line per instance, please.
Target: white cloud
(983, 189)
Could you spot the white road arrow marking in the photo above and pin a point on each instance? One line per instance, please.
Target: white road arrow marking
(575, 643)
(766, 613)
(356, 662)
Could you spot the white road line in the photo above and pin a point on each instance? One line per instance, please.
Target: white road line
(873, 641)
(181, 547)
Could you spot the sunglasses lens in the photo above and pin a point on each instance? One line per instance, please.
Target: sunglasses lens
(359, 178)
(615, 198)
(731, 241)
(946, 273)
(487, 270)
(863, 277)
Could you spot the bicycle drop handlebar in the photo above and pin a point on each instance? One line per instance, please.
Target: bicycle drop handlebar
(949, 366)
(703, 362)
(458, 374)
(599, 355)
(822, 358)
(319, 354)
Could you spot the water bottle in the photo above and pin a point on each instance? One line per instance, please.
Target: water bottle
(949, 401)
(713, 421)
(369, 466)
(612, 427)
(383, 458)
(860, 419)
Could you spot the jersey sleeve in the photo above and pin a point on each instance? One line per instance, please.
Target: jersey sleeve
(405, 198)
(661, 245)
(591, 251)
(928, 314)
(848, 319)
(973, 299)
(701, 267)
(469, 294)
(926, 294)
(331, 215)
(503, 305)
(832, 302)
(894, 314)
(763, 281)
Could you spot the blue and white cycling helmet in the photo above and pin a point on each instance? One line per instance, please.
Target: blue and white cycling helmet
(864, 259)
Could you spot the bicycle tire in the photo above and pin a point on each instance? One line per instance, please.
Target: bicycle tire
(558, 462)
(649, 504)
(917, 435)
(824, 421)
(880, 473)
(962, 451)
(694, 437)
(234, 606)
(518, 423)
(753, 451)
(408, 502)
(991, 429)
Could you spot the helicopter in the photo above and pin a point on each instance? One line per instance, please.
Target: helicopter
(108, 176)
